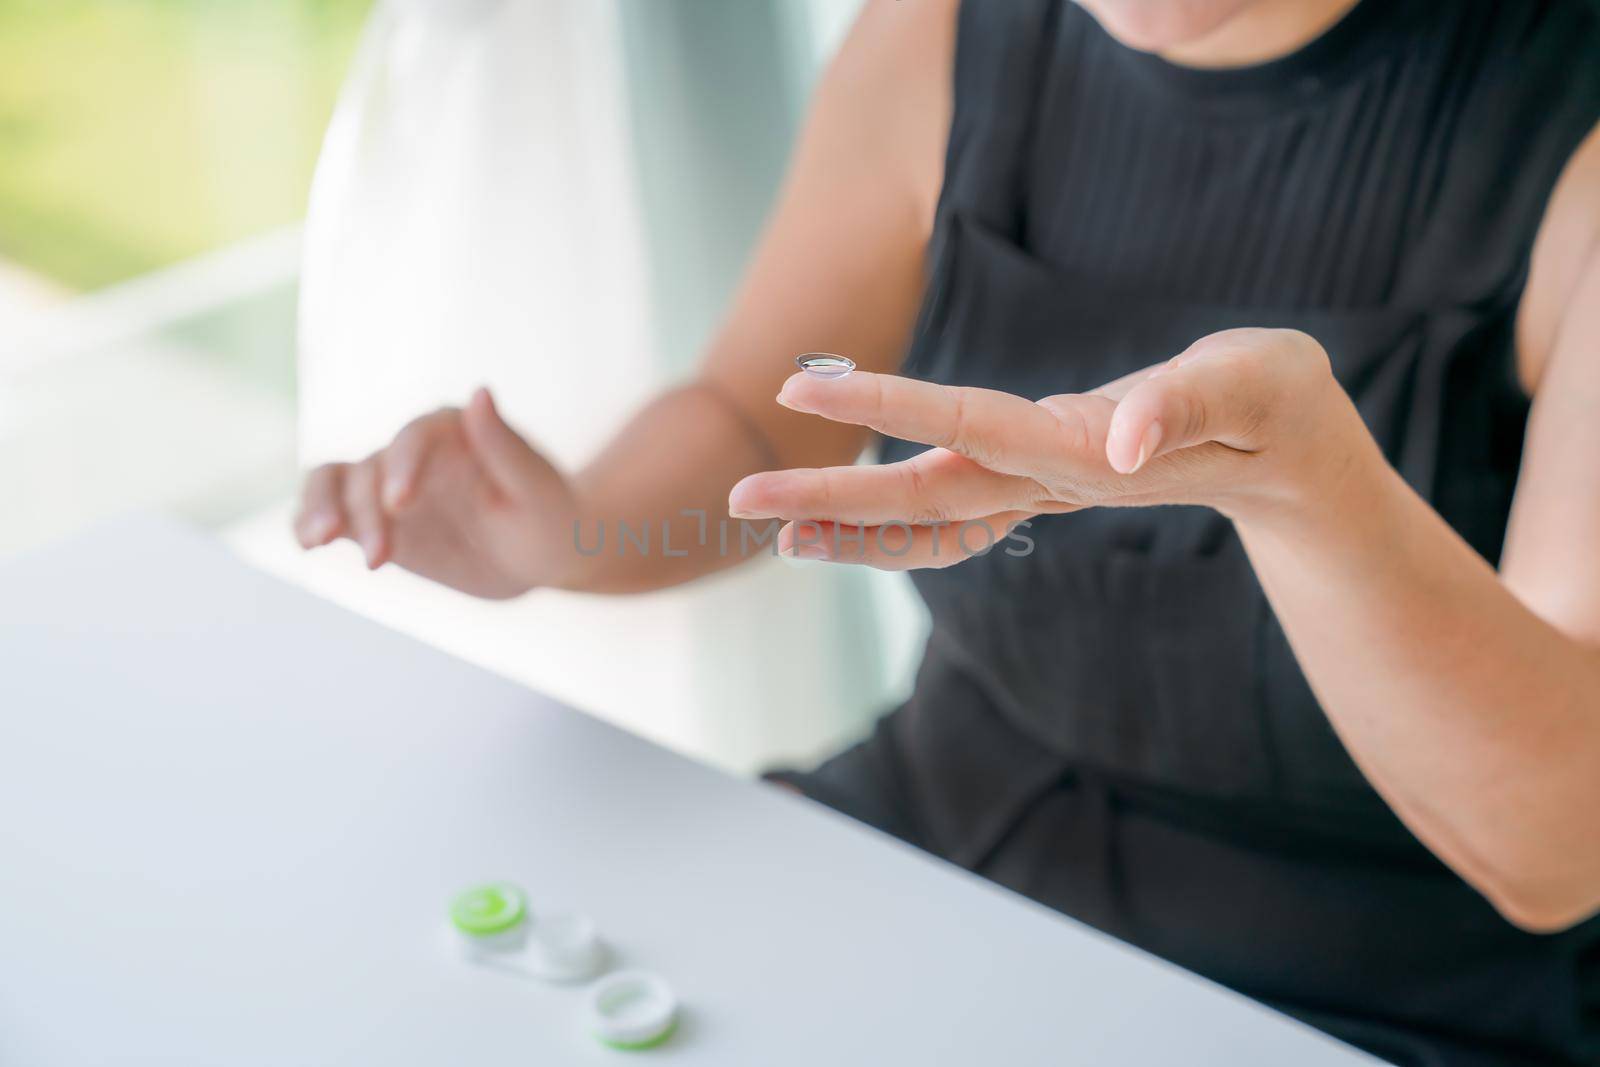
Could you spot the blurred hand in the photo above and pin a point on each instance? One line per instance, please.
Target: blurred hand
(458, 497)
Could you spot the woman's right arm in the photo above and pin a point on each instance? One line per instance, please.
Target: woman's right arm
(460, 498)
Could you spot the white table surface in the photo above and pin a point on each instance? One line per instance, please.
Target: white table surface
(231, 815)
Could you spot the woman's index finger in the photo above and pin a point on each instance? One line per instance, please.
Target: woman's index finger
(1000, 431)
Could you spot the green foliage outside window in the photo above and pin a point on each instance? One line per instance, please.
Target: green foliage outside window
(136, 133)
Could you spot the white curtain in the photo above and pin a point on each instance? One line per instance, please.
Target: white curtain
(474, 218)
(495, 204)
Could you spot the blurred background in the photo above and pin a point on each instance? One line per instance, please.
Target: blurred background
(241, 237)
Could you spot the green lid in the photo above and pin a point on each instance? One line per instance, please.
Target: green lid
(643, 1046)
(485, 910)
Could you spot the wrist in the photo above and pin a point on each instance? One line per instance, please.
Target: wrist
(1327, 469)
(573, 560)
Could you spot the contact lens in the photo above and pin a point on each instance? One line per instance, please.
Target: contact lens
(825, 365)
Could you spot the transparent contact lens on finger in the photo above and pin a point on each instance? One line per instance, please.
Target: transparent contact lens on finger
(826, 365)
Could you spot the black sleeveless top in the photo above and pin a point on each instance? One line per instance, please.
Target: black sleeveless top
(1379, 189)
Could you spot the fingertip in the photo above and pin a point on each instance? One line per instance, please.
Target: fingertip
(802, 392)
(478, 410)
(741, 498)
(482, 422)
(1137, 427)
(1129, 453)
(477, 421)
(784, 543)
(1122, 441)
(762, 496)
(802, 541)
(316, 529)
(1149, 445)
(798, 534)
(787, 394)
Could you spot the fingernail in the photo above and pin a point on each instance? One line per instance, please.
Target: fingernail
(394, 492)
(319, 527)
(1147, 446)
(787, 399)
(737, 508)
(807, 551)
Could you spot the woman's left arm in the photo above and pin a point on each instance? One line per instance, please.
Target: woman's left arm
(1470, 699)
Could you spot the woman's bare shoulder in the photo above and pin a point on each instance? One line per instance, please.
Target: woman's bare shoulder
(1568, 243)
(895, 75)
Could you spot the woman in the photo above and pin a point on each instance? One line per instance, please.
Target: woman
(1296, 733)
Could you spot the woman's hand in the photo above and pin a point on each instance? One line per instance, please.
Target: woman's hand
(1246, 421)
(457, 497)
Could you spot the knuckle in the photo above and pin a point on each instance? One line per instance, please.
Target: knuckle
(880, 402)
(1312, 357)
(322, 488)
(425, 429)
(959, 433)
(967, 434)
(924, 507)
(1074, 435)
(441, 423)
(412, 436)
(360, 480)
(959, 418)
(823, 492)
(1193, 415)
(416, 432)
(1254, 417)
(322, 479)
(1079, 438)
(1203, 347)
